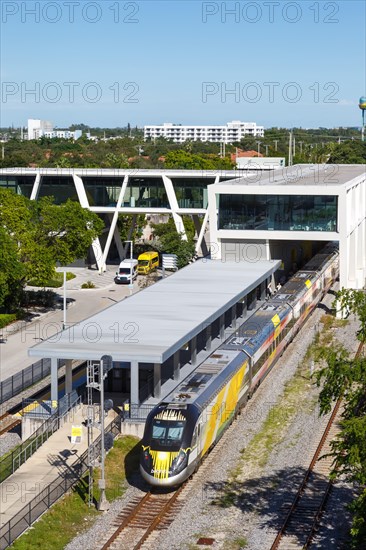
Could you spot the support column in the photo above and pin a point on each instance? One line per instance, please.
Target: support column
(208, 337)
(134, 390)
(233, 316)
(200, 230)
(157, 380)
(193, 349)
(176, 364)
(222, 327)
(117, 239)
(263, 290)
(244, 307)
(68, 376)
(54, 379)
(252, 300)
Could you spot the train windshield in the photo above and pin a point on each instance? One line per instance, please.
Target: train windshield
(167, 432)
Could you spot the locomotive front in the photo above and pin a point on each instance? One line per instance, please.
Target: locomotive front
(166, 447)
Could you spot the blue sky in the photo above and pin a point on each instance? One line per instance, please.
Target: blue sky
(110, 62)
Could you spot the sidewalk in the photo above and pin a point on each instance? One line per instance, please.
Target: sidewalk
(55, 458)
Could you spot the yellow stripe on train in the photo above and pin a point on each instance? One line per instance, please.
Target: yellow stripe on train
(277, 325)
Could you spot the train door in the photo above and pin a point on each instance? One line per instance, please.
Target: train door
(199, 438)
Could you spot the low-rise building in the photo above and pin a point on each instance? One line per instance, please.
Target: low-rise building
(44, 128)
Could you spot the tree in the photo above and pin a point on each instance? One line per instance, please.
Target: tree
(45, 233)
(171, 241)
(347, 152)
(11, 273)
(346, 378)
(125, 222)
(188, 161)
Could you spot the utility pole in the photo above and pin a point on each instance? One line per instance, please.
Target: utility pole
(275, 142)
(294, 142)
(290, 149)
(259, 147)
(301, 142)
(266, 146)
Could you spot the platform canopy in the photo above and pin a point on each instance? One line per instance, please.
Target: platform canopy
(154, 323)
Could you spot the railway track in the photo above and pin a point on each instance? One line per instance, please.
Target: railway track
(7, 423)
(141, 518)
(303, 517)
(140, 522)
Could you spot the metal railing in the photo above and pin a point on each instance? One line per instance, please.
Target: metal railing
(44, 500)
(24, 379)
(136, 413)
(12, 461)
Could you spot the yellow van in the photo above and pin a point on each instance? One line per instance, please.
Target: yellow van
(147, 262)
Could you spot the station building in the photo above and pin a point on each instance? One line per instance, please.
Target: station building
(251, 213)
(260, 223)
(112, 192)
(289, 214)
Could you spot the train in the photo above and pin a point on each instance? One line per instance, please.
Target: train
(182, 429)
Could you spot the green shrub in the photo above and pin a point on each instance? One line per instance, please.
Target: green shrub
(88, 284)
(39, 298)
(6, 319)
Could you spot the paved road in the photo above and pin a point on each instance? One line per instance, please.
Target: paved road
(86, 302)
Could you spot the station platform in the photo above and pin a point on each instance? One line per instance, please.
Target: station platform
(53, 459)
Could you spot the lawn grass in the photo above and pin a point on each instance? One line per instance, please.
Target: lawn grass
(56, 282)
(71, 515)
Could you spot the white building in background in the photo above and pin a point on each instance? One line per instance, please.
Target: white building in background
(229, 133)
(44, 128)
(37, 128)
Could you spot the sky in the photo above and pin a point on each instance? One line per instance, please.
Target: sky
(109, 62)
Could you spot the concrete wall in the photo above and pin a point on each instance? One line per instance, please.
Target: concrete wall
(293, 254)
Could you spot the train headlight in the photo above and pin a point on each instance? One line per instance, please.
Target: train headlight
(180, 462)
(146, 458)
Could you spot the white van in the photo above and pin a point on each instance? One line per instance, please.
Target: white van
(123, 275)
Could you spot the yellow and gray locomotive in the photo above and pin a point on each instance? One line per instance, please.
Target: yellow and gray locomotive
(182, 429)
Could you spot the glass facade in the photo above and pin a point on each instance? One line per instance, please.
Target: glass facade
(21, 185)
(278, 212)
(59, 187)
(192, 192)
(146, 193)
(102, 191)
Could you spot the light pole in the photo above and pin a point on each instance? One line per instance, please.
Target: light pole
(105, 366)
(259, 147)
(130, 286)
(65, 303)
